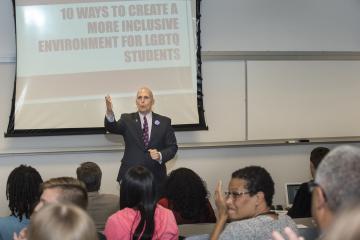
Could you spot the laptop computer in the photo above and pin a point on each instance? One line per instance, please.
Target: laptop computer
(290, 192)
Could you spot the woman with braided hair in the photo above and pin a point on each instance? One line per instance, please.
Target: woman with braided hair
(23, 192)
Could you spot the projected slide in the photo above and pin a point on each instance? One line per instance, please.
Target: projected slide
(71, 53)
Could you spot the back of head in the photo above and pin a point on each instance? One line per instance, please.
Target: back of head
(187, 192)
(138, 191)
(23, 190)
(61, 221)
(339, 177)
(317, 155)
(258, 180)
(90, 173)
(72, 190)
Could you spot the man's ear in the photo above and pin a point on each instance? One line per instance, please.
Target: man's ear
(321, 212)
(260, 197)
(320, 198)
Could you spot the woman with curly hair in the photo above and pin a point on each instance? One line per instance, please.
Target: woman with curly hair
(247, 205)
(186, 195)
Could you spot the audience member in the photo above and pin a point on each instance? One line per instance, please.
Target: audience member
(23, 192)
(301, 207)
(63, 190)
(336, 186)
(140, 217)
(186, 195)
(61, 221)
(59, 190)
(100, 206)
(247, 204)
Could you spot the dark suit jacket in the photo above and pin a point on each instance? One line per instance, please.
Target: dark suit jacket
(301, 207)
(162, 138)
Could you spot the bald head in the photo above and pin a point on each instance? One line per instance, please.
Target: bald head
(144, 100)
(145, 90)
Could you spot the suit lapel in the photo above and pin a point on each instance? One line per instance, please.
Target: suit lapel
(154, 127)
(138, 130)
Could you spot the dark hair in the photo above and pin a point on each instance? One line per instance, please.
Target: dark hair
(138, 191)
(187, 192)
(72, 190)
(257, 180)
(90, 173)
(317, 155)
(23, 190)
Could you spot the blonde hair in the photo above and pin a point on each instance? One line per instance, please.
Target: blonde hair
(61, 221)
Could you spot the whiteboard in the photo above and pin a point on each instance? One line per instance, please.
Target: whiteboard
(303, 99)
(224, 104)
(281, 25)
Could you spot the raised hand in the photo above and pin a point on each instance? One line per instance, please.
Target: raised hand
(220, 201)
(109, 106)
(22, 235)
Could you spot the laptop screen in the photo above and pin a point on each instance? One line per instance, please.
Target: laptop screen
(291, 190)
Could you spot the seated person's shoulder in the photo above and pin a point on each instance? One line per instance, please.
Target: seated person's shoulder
(111, 198)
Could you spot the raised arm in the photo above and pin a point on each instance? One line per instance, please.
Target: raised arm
(222, 212)
(109, 106)
(110, 123)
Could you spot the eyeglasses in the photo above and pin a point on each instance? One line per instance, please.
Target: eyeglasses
(312, 185)
(235, 195)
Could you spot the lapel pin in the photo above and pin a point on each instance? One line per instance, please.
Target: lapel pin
(157, 122)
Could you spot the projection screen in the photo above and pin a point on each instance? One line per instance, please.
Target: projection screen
(71, 53)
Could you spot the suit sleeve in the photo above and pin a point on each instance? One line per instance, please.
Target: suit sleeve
(171, 146)
(117, 127)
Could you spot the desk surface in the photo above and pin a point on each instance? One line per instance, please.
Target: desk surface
(307, 222)
(195, 229)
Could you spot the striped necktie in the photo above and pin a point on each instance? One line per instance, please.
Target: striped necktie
(146, 132)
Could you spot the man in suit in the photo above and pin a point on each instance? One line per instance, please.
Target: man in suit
(301, 207)
(336, 187)
(149, 138)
